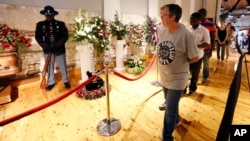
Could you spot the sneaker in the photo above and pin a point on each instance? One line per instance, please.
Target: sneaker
(185, 91)
(222, 63)
(191, 93)
(162, 107)
(204, 80)
(178, 121)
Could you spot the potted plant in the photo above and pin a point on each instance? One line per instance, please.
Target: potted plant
(134, 65)
(92, 33)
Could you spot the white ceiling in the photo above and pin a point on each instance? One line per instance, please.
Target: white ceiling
(240, 16)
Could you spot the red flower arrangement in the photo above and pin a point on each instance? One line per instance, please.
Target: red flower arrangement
(11, 38)
(93, 94)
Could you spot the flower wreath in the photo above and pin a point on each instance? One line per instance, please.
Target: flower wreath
(93, 94)
(92, 90)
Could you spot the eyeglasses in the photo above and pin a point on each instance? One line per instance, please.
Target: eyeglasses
(163, 14)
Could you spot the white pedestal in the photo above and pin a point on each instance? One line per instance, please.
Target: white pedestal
(86, 59)
(119, 56)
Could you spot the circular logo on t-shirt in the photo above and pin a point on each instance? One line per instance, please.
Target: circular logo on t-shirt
(166, 52)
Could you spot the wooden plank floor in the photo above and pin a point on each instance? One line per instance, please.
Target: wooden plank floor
(134, 103)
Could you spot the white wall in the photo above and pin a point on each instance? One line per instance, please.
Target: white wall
(25, 16)
(211, 9)
(113, 7)
(136, 7)
(93, 5)
(164, 2)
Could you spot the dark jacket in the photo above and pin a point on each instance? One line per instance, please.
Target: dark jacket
(52, 36)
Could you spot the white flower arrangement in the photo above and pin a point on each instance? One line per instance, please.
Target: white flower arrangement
(83, 29)
(93, 30)
(117, 28)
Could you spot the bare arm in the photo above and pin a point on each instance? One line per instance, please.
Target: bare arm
(203, 45)
(192, 60)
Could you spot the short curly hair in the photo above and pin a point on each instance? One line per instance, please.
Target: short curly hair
(174, 9)
(196, 15)
(203, 12)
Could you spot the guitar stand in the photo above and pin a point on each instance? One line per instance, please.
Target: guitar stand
(156, 83)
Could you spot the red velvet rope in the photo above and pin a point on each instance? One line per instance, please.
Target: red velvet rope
(45, 105)
(139, 76)
(66, 94)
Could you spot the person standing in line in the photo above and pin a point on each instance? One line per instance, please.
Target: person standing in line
(221, 37)
(202, 37)
(208, 50)
(248, 39)
(52, 35)
(240, 40)
(231, 31)
(176, 49)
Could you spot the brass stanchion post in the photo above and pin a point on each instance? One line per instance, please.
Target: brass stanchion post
(108, 126)
(156, 83)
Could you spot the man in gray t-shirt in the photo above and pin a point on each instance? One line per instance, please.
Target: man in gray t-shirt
(176, 49)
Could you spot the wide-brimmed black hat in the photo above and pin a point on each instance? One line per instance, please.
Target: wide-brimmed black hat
(49, 11)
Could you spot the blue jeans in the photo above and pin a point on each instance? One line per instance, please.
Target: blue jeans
(171, 116)
(206, 64)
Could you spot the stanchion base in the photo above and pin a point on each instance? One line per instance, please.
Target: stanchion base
(108, 127)
(156, 83)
